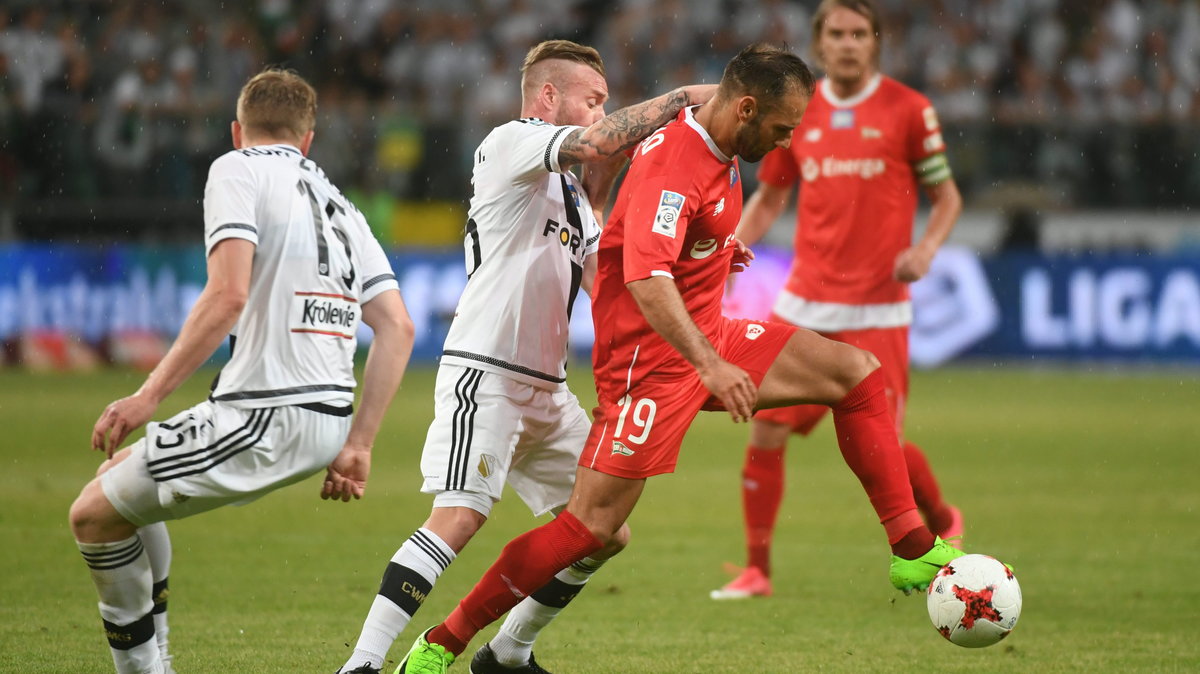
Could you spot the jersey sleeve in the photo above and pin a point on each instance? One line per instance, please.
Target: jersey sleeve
(656, 221)
(531, 148)
(926, 147)
(377, 273)
(229, 202)
(779, 168)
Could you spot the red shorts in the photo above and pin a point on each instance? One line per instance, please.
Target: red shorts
(890, 346)
(638, 433)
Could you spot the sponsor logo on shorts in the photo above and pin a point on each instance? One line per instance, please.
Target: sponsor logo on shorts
(620, 448)
(703, 248)
(667, 216)
(179, 498)
(754, 330)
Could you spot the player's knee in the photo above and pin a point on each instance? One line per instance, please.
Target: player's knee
(82, 518)
(456, 525)
(857, 364)
(615, 543)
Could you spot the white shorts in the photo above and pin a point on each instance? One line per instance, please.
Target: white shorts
(213, 455)
(488, 429)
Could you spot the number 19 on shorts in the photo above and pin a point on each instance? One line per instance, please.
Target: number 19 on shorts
(640, 416)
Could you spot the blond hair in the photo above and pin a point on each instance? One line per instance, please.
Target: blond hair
(564, 50)
(277, 103)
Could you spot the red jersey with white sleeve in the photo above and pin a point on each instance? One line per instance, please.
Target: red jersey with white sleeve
(859, 162)
(674, 217)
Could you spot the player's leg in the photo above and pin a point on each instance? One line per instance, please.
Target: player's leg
(890, 345)
(157, 542)
(762, 494)
(543, 473)
(120, 570)
(811, 368)
(599, 505)
(466, 459)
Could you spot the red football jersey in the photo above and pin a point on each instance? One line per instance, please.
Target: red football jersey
(674, 216)
(859, 162)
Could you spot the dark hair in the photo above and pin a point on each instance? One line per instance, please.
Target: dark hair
(767, 73)
(865, 8)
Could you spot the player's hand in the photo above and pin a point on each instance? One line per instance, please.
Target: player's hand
(912, 264)
(733, 387)
(119, 419)
(346, 477)
(742, 256)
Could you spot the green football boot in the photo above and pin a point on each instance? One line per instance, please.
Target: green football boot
(916, 574)
(426, 658)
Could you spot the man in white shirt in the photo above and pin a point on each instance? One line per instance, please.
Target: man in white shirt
(292, 268)
(503, 411)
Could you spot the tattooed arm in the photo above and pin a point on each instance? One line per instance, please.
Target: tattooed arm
(626, 127)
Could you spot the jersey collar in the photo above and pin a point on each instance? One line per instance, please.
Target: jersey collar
(827, 92)
(288, 147)
(712, 145)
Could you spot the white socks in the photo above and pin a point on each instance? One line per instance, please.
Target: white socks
(409, 578)
(513, 644)
(121, 573)
(158, 548)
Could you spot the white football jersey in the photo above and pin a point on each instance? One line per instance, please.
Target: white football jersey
(529, 230)
(315, 264)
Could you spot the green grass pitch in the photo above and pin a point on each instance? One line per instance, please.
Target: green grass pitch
(1089, 483)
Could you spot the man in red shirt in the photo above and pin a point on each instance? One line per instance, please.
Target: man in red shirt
(664, 351)
(865, 146)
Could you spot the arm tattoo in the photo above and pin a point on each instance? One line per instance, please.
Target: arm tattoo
(621, 130)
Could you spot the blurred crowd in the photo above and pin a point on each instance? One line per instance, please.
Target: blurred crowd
(1097, 101)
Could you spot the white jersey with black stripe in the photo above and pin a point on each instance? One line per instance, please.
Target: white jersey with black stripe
(315, 264)
(529, 230)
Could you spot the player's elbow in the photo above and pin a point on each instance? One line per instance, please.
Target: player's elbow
(395, 327)
(229, 300)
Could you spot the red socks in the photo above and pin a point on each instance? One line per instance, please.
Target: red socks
(866, 434)
(762, 492)
(925, 489)
(527, 563)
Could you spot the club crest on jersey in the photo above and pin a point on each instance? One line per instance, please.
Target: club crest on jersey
(667, 217)
(320, 313)
(842, 119)
(812, 135)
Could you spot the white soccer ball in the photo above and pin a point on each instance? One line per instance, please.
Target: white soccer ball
(974, 601)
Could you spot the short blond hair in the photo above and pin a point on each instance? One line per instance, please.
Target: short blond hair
(563, 50)
(277, 103)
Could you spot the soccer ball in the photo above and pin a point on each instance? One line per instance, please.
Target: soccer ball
(974, 601)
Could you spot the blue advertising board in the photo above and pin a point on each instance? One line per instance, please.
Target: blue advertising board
(1122, 308)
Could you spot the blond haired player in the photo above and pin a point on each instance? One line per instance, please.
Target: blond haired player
(292, 269)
